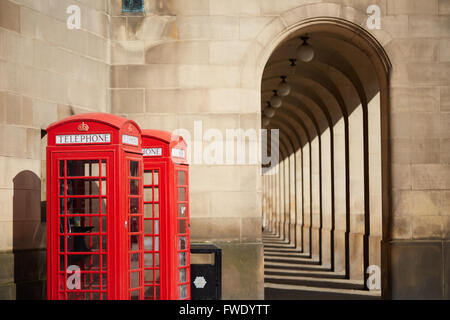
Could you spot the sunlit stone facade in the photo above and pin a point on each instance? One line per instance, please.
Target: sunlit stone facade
(364, 172)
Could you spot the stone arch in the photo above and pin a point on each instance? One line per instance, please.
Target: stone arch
(322, 15)
(347, 23)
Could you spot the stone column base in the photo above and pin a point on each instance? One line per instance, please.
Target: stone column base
(420, 269)
(242, 271)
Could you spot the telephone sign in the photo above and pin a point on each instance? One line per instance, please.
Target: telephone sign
(152, 152)
(83, 138)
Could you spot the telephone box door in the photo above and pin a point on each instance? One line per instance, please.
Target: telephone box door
(81, 219)
(134, 227)
(182, 232)
(154, 227)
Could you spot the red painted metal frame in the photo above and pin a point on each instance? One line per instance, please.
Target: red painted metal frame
(155, 287)
(169, 166)
(117, 155)
(56, 161)
(182, 221)
(135, 220)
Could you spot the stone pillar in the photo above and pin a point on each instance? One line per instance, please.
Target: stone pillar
(326, 199)
(307, 198)
(316, 237)
(340, 198)
(357, 203)
(299, 199)
(292, 199)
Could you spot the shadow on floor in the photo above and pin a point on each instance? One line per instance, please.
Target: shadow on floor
(289, 274)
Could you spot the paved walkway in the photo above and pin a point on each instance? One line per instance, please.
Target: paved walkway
(290, 274)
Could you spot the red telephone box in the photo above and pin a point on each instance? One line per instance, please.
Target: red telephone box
(94, 209)
(166, 217)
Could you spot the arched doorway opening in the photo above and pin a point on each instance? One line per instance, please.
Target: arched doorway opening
(326, 203)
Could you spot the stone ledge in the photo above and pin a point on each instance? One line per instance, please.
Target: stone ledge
(8, 292)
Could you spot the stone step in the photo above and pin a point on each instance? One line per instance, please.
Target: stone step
(276, 243)
(291, 260)
(279, 246)
(284, 249)
(304, 273)
(297, 254)
(315, 282)
(271, 237)
(270, 234)
(282, 265)
(275, 291)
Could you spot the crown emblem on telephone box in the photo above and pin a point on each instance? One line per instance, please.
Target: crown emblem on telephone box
(83, 127)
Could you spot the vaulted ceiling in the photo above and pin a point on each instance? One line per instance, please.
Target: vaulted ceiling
(339, 79)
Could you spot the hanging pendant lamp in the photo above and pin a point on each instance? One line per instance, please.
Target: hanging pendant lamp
(305, 52)
(284, 89)
(276, 101)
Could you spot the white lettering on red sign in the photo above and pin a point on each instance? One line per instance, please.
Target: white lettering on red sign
(134, 141)
(178, 153)
(152, 152)
(83, 138)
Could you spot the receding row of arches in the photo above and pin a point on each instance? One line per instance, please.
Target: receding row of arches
(325, 197)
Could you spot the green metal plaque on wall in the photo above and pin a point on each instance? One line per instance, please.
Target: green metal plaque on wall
(132, 5)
